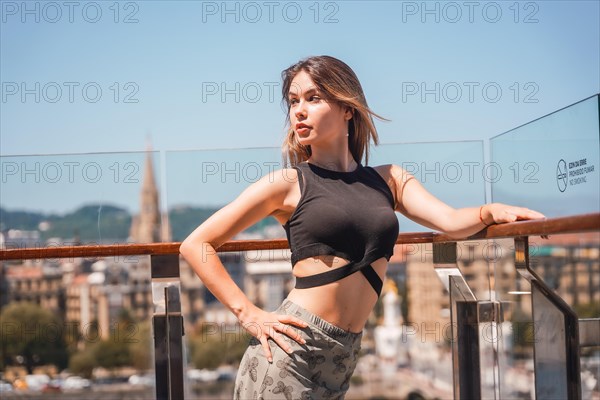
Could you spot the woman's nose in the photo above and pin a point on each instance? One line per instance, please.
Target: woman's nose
(300, 110)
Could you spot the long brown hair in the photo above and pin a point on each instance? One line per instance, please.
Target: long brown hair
(336, 80)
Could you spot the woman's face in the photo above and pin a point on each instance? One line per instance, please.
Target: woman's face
(314, 119)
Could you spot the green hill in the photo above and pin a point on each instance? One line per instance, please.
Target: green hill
(105, 223)
(185, 219)
(90, 223)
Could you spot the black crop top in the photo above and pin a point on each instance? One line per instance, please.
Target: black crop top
(345, 214)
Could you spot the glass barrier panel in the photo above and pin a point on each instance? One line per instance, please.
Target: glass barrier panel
(569, 265)
(89, 317)
(452, 171)
(199, 182)
(551, 164)
(72, 199)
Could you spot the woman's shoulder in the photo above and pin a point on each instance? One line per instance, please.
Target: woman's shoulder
(391, 172)
(395, 176)
(280, 179)
(272, 187)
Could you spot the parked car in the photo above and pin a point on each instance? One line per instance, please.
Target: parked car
(142, 380)
(202, 375)
(76, 383)
(54, 386)
(36, 382)
(5, 387)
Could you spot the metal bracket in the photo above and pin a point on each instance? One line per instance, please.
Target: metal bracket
(167, 323)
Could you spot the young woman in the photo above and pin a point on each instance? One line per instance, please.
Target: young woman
(339, 217)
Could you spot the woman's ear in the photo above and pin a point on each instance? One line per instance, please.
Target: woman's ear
(349, 113)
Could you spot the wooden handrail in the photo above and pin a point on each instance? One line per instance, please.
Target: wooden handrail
(551, 226)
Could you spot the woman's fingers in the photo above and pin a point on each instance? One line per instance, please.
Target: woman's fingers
(276, 332)
(283, 343)
(291, 320)
(280, 340)
(285, 327)
(535, 214)
(290, 332)
(505, 213)
(265, 345)
(522, 211)
(525, 213)
(277, 327)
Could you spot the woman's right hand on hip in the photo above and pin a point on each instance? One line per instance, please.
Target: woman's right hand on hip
(264, 325)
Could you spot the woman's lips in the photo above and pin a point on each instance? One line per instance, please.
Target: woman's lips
(302, 129)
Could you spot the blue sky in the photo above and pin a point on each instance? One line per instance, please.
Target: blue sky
(440, 71)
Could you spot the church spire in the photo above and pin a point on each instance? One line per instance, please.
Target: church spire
(149, 182)
(145, 227)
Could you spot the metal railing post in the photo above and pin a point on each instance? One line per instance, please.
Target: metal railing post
(556, 335)
(465, 333)
(167, 323)
(463, 308)
(467, 314)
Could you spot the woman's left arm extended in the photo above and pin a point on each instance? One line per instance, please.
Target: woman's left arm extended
(414, 201)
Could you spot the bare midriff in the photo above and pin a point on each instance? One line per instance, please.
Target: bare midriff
(346, 303)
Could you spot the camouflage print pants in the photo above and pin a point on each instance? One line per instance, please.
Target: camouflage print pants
(319, 369)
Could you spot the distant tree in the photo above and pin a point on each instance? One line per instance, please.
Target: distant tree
(31, 336)
(116, 350)
(523, 332)
(587, 310)
(130, 344)
(184, 220)
(125, 316)
(141, 346)
(111, 353)
(83, 363)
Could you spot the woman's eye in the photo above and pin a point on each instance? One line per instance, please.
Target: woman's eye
(293, 101)
(314, 98)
